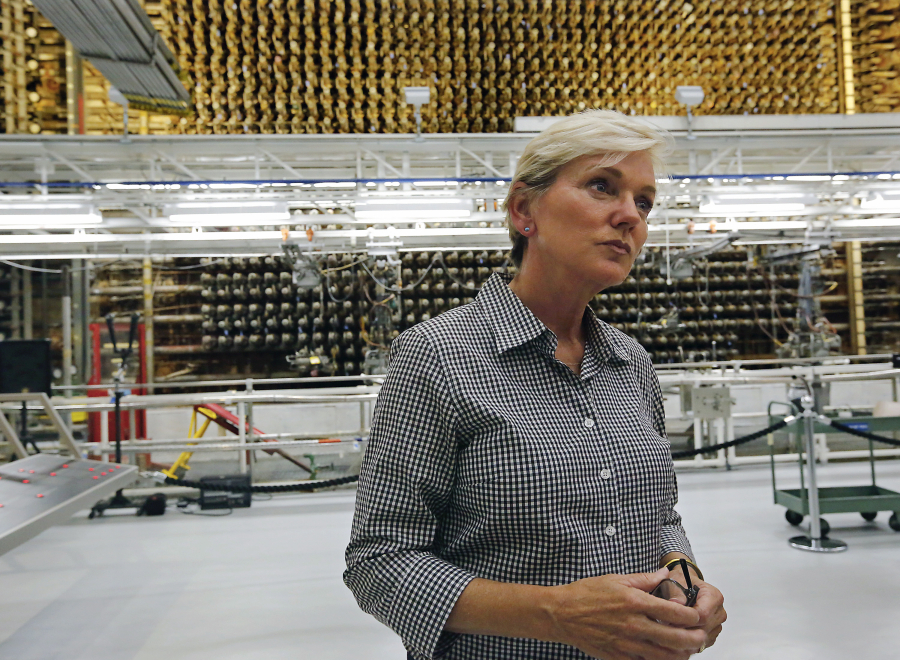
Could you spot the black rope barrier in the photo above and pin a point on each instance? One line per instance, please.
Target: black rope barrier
(734, 443)
(303, 486)
(863, 434)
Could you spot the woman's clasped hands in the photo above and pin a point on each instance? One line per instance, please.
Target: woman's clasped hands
(614, 617)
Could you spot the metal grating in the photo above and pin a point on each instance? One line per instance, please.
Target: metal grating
(119, 39)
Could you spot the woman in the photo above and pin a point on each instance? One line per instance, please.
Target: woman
(516, 498)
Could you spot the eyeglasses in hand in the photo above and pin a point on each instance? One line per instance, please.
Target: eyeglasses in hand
(669, 589)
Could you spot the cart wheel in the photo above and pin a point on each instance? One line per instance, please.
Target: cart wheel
(824, 526)
(894, 522)
(91, 515)
(869, 516)
(793, 517)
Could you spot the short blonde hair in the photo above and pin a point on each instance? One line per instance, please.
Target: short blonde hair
(588, 133)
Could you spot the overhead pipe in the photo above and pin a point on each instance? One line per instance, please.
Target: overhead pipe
(138, 289)
(177, 318)
(214, 381)
(178, 350)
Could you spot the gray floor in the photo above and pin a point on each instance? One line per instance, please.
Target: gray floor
(265, 583)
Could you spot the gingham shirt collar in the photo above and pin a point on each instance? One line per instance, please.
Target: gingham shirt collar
(514, 325)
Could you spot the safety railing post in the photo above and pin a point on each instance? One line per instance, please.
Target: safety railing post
(814, 542)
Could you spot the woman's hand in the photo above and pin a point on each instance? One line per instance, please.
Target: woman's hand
(709, 605)
(616, 618)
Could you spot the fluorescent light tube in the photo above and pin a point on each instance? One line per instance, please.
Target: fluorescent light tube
(394, 209)
(238, 204)
(761, 198)
(39, 208)
(230, 219)
(50, 221)
(880, 204)
(751, 209)
(397, 215)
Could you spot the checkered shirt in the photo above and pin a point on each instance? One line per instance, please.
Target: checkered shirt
(488, 457)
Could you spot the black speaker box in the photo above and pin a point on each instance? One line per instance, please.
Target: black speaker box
(25, 366)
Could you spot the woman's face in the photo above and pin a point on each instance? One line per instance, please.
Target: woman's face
(593, 219)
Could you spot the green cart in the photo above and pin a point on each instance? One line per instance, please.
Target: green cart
(867, 500)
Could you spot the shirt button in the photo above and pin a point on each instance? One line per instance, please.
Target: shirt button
(605, 473)
(588, 423)
(610, 531)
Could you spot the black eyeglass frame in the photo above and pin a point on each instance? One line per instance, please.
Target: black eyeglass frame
(690, 593)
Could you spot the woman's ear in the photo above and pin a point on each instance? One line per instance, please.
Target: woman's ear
(520, 212)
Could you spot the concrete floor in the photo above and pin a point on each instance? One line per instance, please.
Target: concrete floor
(264, 583)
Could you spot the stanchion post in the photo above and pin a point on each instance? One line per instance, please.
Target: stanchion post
(815, 526)
(895, 390)
(729, 436)
(250, 439)
(242, 434)
(698, 439)
(814, 542)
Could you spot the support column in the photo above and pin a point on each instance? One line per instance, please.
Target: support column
(855, 298)
(67, 338)
(80, 297)
(17, 38)
(6, 28)
(847, 84)
(27, 309)
(15, 303)
(405, 168)
(148, 318)
(45, 303)
(75, 108)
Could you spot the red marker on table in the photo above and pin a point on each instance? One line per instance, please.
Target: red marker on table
(25, 481)
(53, 474)
(39, 495)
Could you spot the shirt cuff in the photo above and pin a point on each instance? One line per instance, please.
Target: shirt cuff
(423, 602)
(673, 539)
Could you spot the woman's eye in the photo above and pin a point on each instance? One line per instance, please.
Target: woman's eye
(600, 186)
(645, 205)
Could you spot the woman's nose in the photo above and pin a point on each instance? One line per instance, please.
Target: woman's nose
(626, 212)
